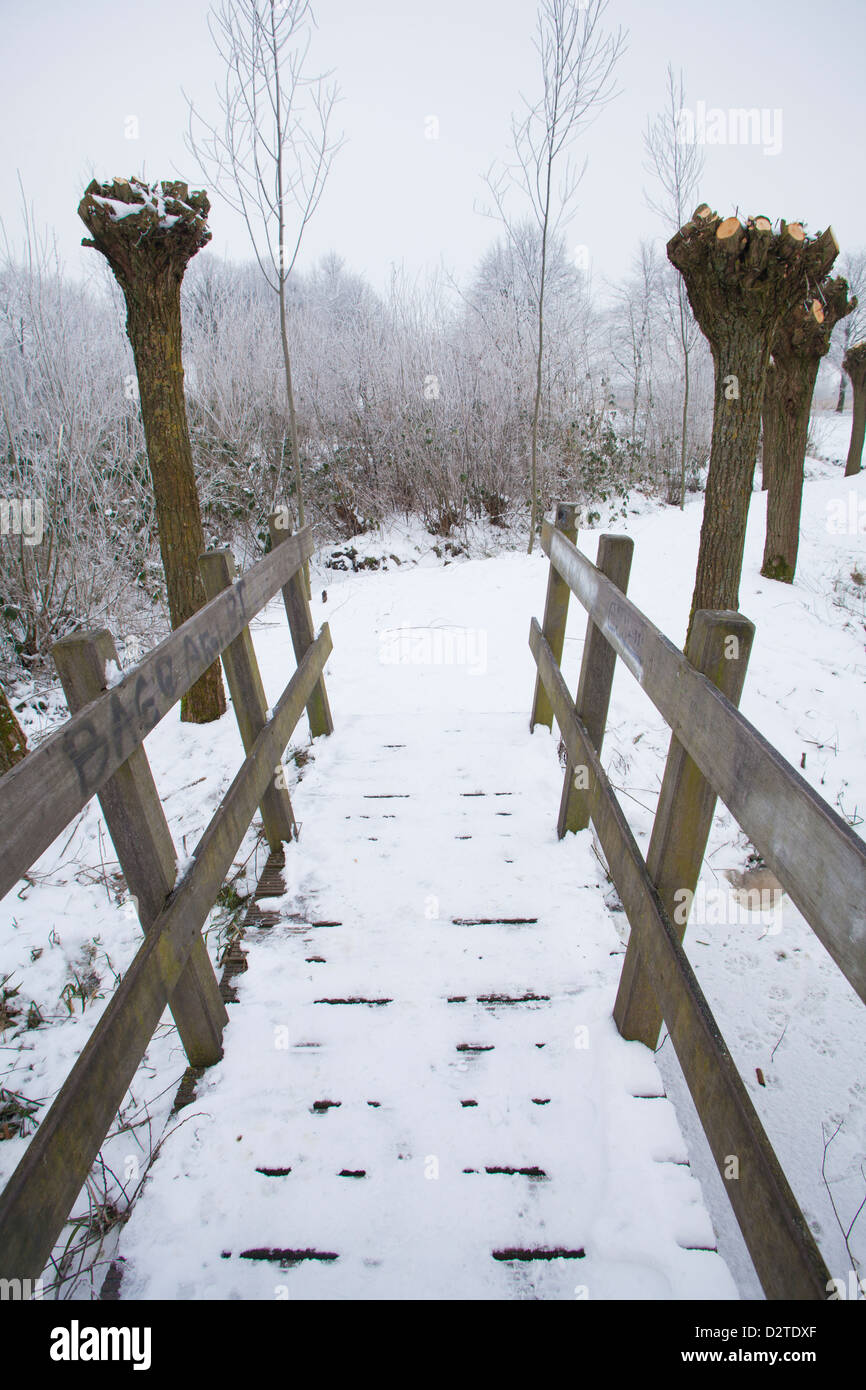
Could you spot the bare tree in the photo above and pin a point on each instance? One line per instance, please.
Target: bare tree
(853, 327)
(631, 332)
(71, 446)
(577, 58)
(271, 153)
(677, 164)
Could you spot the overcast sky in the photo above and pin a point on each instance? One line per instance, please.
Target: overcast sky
(74, 72)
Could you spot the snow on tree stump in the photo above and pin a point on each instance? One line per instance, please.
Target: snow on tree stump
(802, 339)
(741, 281)
(854, 363)
(148, 234)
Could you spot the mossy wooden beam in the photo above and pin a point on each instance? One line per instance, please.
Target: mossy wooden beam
(596, 679)
(142, 840)
(38, 1197)
(57, 779)
(783, 1250)
(816, 856)
(296, 597)
(248, 698)
(555, 615)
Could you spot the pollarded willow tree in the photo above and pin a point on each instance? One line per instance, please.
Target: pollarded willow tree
(148, 234)
(855, 365)
(853, 267)
(741, 282)
(802, 339)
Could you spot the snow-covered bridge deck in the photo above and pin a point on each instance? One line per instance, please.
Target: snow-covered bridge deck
(423, 1093)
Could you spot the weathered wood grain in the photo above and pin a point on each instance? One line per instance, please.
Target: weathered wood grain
(596, 678)
(555, 615)
(248, 697)
(296, 592)
(142, 840)
(719, 646)
(38, 1197)
(39, 797)
(814, 853)
(786, 1258)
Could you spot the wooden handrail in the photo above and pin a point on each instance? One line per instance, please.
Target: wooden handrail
(40, 796)
(99, 751)
(814, 853)
(37, 1199)
(783, 1250)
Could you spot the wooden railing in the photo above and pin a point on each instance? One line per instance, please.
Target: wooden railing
(99, 751)
(714, 751)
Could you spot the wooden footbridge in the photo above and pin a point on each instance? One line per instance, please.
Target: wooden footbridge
(434, 1101)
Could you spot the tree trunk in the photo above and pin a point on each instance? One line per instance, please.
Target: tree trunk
(802, 339)
(154, 327)
(293, 424)
(533, 471)
(685, 432)
(740, 366)
(741, 282)
(148, 251)
(281, 287)
(793, 386)
(768, 421)
(533, 466)
(13, 744)
(855, 366)
(684, 438)
(840, 403)
(858, 432)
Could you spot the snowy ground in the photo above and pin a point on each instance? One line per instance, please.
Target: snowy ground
(781, 1003)
(388, 1132)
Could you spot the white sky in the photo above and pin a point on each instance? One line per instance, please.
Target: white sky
(71, 74)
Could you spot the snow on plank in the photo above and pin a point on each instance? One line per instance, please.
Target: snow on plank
(437, 1103)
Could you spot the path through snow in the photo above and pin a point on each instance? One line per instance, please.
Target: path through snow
(430, 808)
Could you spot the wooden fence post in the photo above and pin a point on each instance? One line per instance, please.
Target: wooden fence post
(296, 599)
(248, 697)
(555, 616)
(719, 647)
(141, 836)
(596, 678)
